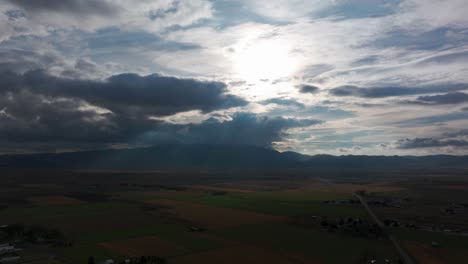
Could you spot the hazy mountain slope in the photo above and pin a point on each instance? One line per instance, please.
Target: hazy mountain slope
(220, 157)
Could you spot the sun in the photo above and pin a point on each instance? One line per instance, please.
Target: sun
(268, 59)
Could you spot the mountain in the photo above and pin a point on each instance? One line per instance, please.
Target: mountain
(162, 157)
(220, 157)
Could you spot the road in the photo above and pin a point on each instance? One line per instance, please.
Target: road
(403, 255)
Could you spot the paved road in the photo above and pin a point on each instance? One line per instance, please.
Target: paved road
(403, 255)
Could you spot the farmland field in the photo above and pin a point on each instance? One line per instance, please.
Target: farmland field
(307, 220)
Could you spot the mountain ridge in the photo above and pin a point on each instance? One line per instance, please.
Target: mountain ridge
(219, 157)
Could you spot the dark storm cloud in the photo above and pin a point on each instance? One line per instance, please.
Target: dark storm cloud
(128, 93)
(29, 120)
(305, 88)
(38, 109)
(67, 6)
(27, 117)
(455, 139)
(448, 98)
(243, 129)
(389, 91)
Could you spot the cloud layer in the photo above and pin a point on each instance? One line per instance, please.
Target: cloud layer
(391, 91)
(458, 139)
(385, 77)
(38, 108)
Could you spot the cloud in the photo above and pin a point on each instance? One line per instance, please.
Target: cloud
(284, 102)
(399, 52)
(296, 109)
(32, 122)
(424, 15)
(287, 10)
(350, 150)
(430, 143)
(130, 94)
(390, 91)
(292, 107)
(13, 22)
(47, 113)
(306, 88)
(38, 109)
(52, 54)
(20, 60)
(242, 129)
(27, 117)
(92, 15)
(67, 6)
(428, 40)
(457, 139)
(442, 99)
(426, 120)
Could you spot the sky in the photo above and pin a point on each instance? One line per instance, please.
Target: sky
(340, 77)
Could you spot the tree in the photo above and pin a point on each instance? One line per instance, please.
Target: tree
(91, 260)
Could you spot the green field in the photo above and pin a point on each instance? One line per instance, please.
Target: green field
(277, 203)
(327, 247)
(89, 224)
(282, 225)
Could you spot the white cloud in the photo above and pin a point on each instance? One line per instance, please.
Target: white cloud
(287, 10)
(143, 15)
(431, 14)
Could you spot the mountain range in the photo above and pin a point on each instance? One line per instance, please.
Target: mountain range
(221, 157)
